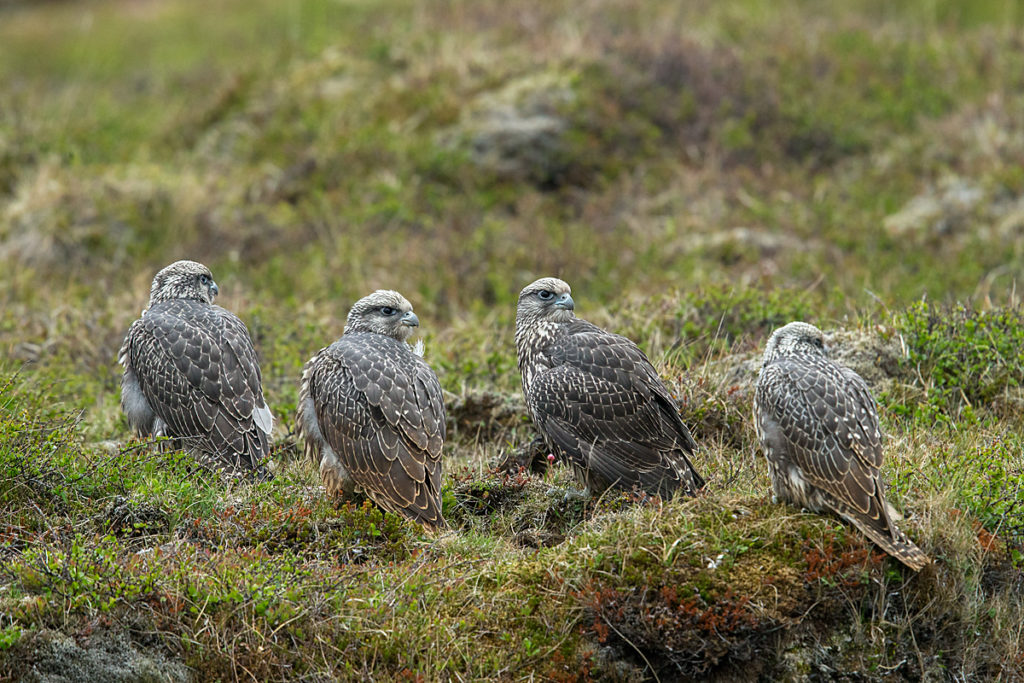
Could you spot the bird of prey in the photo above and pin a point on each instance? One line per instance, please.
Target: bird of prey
(371, 412)
(597, 400)
(190, 372)
(818, 425)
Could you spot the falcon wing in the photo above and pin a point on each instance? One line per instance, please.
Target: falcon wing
(236, 338)
(197, 369)
(380, 409)
(604, 406)
(827, 421)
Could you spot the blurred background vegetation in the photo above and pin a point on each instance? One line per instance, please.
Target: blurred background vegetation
(846, 155)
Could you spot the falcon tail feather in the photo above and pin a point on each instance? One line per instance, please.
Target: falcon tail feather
(896, 544)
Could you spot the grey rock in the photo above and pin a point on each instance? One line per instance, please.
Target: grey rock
(938, 211)
(105, 659)
(517, 132)
(765, 242)
(875, 357)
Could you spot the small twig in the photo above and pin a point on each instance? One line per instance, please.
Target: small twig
(632, 645)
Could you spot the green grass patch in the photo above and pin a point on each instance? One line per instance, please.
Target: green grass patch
(969, 362)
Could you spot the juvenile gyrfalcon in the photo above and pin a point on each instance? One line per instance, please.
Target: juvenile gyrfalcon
(190, 371)
(371, 412)
(597, 400)
(818, 426)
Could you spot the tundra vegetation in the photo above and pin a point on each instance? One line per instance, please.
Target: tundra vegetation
(700, 172)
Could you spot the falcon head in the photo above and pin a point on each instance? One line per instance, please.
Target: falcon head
(794, 339)
(384, 312)
(183, 280)
(546, 300)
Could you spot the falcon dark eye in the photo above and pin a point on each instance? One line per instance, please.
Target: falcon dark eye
(545, 295)
(387, 310)
(818, 343)
(205, 279)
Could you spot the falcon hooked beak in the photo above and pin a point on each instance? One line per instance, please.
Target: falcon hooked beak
(214, 289)
(565, 303)
(410, 320)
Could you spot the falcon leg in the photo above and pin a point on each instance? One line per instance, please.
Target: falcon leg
(334, 475)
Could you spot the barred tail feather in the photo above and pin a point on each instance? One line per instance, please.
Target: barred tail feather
(426, 510)
(895, 543)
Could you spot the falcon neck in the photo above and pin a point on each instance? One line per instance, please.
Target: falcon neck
(164, 299)
(175, 304)
(531, 340)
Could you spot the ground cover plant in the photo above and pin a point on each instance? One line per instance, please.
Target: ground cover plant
(701, 173)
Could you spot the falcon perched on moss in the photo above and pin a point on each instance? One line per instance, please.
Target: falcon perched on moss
(371, 412)
(819, 429)
(190, 372)
(598, 401)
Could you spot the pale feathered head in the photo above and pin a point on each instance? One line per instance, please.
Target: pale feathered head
(545, 300)
(183, 280)
(796, 338)
(384, 312)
